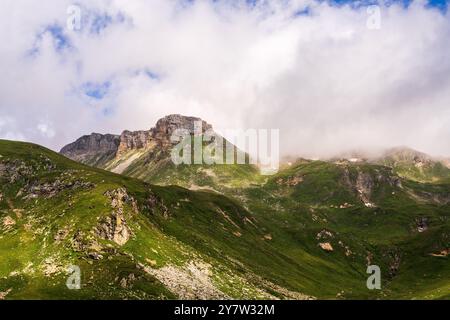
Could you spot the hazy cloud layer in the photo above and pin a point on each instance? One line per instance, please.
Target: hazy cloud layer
(314, 70)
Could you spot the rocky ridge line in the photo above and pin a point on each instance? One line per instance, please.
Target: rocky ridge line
(95, 148)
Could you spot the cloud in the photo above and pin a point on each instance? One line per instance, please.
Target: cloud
(312, 69)
(46, 130)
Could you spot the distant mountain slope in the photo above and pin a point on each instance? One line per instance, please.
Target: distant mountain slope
(416, 165)
(406, 162)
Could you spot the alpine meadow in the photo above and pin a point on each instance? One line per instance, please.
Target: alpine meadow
(191, 151)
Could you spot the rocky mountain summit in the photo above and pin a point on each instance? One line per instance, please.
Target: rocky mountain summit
(92, 148)
(147, 155)
(167, 126)
(98, 149)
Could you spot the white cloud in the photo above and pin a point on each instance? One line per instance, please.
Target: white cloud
(326, 80)
(46, 130)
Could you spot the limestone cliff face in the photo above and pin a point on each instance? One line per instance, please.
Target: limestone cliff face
(92, 149)
(97, 149)
(134, 141)
(167, 126)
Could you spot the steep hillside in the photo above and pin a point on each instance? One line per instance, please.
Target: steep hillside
(363, 213)
(130, 240)
(137, 241)
(309, 231)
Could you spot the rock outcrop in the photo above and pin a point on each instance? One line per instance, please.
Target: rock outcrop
(51, 189)
(326, 246)
(167, 126)
(364, 186)
(115, 227)
(12, 171)
(190, 282)
(422, 224)
(365, 183)
(134, 141)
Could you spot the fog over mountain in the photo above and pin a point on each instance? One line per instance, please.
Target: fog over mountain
(312, 69)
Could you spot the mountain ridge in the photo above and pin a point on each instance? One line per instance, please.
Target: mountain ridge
(88, 148)
(117, 157)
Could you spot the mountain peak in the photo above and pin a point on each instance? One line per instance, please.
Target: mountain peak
(406, 154)
(97, 148)
(173, 122)
(90, 148)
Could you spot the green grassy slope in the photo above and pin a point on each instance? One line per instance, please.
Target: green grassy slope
(56, 213)
(52, 205)
(259, 240)
(315, 196)
(156, 166)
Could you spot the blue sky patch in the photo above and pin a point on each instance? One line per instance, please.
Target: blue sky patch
(96, 90)
(440, 4)
(303, 12)
(61, 40)
(101, 21)
(152, 75)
